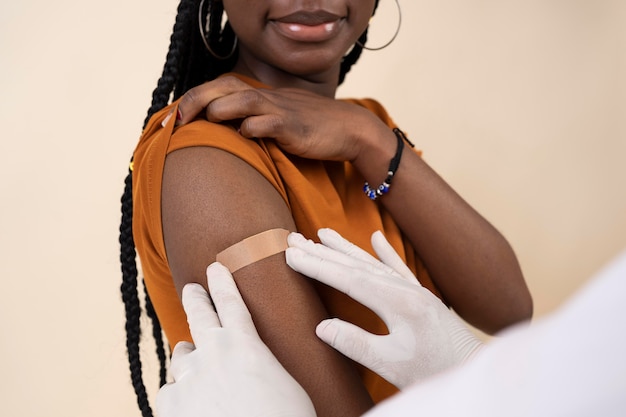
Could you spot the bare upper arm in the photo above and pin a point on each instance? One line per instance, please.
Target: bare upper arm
(210, 200)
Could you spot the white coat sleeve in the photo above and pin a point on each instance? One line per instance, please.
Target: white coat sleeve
(571, 363)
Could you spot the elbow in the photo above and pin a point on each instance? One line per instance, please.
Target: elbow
(513, 302)
(522, 311)
(494, 313)
(512, 311)
(525, 309)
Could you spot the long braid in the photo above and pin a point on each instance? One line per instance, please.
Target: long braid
(158, 337)
(160, 98)
(178, 49)
(131, 298)
(187, 65)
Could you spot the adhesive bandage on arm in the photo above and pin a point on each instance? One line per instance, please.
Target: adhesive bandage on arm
(254, 248)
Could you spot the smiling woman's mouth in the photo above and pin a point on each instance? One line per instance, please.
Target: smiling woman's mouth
(308, 33)
(308, 26)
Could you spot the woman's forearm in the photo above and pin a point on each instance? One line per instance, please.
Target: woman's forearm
(468, 259)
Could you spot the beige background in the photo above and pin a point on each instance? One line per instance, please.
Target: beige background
(519, 104)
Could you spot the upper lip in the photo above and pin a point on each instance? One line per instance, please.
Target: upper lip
(309, 18)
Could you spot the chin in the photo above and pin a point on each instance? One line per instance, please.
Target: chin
(311, 65)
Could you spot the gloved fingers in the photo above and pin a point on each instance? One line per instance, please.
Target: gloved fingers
(231, 309)
(200, 313)
(178, 363)
(390, 257)
(369, 289)
(334, 240)
(350, 340)
(337, 249)
(328, 251)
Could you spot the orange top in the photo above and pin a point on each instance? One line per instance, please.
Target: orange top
(318, 194)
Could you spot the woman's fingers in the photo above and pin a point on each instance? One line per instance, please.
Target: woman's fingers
(196, 100)
(302, 123)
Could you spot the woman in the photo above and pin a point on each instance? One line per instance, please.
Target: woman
(201, 187)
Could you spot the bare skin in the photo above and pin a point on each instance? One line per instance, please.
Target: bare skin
(211, 199)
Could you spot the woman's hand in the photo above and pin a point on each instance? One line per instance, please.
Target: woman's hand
(302, 123)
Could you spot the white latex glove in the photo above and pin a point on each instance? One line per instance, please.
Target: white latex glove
(425, 337)
(230, 372)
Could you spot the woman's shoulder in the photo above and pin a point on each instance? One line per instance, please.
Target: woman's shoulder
(200, 132)
(161, 137)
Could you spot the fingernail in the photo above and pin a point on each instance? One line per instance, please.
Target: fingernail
(179, 116)
(167, 119)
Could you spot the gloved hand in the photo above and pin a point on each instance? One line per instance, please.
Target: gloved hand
(425, 337)
(230, 372)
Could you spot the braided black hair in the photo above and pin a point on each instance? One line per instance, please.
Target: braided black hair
(187, 65)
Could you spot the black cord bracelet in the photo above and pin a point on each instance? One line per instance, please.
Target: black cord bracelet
(374, 193)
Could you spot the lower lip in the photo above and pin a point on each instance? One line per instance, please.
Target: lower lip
(306, 33)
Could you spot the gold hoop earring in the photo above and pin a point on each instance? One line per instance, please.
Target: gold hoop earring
(204, 29)
(378, 48)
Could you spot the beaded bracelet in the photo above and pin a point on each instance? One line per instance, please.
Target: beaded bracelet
(374, 193)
